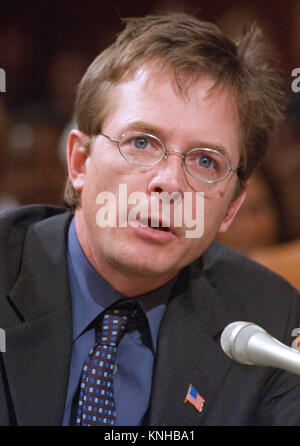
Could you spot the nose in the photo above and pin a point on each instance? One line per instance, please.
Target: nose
(169, 175)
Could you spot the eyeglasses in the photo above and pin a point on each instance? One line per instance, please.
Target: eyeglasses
(143, 149)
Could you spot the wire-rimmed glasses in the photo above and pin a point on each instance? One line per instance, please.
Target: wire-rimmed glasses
(143, 149)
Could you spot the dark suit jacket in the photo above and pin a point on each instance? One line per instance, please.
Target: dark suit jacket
(222, 287)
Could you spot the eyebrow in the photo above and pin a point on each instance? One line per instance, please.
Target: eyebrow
(158, 132)
(144, 127)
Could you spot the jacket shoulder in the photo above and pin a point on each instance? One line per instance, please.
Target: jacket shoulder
(227, 265)
(13, 229)
(248, 289)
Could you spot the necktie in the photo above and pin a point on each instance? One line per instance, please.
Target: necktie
(96, 400)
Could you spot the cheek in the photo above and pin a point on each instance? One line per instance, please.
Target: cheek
(218, 199)
(215, 207)
(108, 167)
(107, 173)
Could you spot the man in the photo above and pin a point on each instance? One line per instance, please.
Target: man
(171, 107)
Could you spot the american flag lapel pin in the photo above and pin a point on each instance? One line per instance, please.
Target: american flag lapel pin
(194, 398)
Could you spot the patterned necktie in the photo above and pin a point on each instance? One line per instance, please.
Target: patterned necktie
(96, 401)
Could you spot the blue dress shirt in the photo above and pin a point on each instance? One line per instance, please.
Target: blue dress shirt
(91, 295)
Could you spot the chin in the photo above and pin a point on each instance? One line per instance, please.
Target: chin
(135, 265)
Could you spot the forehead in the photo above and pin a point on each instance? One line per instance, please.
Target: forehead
(202, 112)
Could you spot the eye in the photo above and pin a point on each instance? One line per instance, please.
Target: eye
(205, 161)
(141, 142)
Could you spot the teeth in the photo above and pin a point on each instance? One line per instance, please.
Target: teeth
(154, 225)
(161, 228)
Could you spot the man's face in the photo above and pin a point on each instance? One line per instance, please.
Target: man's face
(202, 119)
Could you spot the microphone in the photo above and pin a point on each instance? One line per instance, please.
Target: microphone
(250, 344)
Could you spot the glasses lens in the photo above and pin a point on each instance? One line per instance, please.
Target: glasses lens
(141, 148)
(207, 164)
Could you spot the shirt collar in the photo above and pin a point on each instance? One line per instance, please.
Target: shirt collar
(91, 294)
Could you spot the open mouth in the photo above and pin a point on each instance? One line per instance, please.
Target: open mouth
(158, 225)
(154, 230)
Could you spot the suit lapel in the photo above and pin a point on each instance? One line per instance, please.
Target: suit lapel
(189, 352)
(39, 347)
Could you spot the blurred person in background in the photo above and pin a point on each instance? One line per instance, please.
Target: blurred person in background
(267, 227)
(259, 230)
(285, 170)
(259, 222)
(34, 171)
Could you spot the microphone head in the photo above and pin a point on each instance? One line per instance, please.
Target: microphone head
(235, 338)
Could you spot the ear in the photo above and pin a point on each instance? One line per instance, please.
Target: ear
(233, 208)
(77, 158)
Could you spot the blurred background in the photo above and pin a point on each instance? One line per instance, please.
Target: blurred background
(45, 47)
